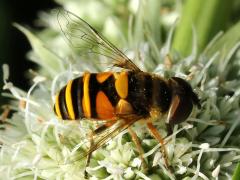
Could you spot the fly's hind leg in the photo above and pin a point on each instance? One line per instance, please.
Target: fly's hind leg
(88, 156)
(158, 136)
(95, 132)
(138, 146)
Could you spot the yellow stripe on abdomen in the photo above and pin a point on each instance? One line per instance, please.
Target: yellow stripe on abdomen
(69, 102)
(86, 104)
(57, 108)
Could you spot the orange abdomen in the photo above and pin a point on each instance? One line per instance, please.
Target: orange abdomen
(94, 95)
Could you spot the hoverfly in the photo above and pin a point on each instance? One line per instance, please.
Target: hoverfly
(119, 99)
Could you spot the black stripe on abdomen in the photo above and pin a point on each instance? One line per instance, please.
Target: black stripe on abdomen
(77, 94)
(108, 87)
(93, 90)
(62, 104)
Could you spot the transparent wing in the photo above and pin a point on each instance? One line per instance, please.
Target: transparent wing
(82, 36)
(100, 139)
(108, 134)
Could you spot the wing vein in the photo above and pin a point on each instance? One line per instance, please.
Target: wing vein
(82, 36)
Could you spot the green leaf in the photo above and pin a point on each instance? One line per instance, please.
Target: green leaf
(236, 174)
(47, 59)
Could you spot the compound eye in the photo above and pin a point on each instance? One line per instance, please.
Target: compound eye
(179, 110)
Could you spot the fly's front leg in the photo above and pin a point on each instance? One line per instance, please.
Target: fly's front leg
(158, 136)
(138, 146)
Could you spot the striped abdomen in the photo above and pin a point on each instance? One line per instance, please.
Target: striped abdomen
(107, 95)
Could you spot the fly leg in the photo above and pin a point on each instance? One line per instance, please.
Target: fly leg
(158, 136)
(88, 156)
(138, 145)
(97, 131)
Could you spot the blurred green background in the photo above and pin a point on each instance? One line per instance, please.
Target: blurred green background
(13, 44)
